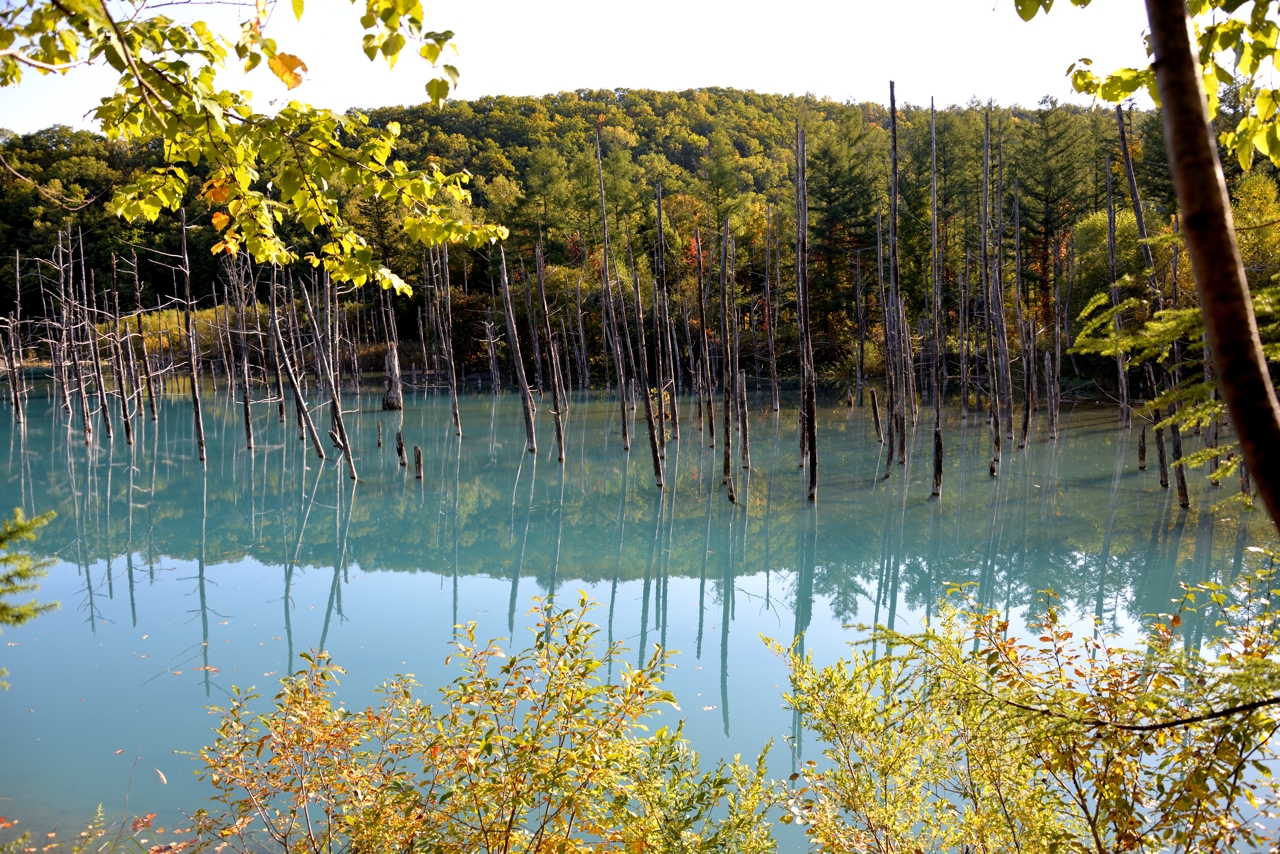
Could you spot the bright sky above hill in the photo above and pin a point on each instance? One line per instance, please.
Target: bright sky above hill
(952, 50)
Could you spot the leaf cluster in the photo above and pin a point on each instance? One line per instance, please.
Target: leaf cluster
(537, 751)
(261, 169)
(963, 736)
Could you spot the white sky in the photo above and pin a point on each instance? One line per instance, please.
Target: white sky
(952, 50)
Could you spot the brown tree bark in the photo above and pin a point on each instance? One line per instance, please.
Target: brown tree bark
(1209, 234)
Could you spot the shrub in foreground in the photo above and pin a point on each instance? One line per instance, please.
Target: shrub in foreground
(539, 751)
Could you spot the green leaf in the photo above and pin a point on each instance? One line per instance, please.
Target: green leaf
(438, 91)
(1027, 9)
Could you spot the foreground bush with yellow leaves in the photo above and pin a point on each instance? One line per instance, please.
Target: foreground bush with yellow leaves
(537, 752)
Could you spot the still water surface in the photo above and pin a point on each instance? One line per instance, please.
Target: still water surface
(177, 581)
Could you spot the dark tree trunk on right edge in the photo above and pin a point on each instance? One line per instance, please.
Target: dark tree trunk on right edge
(1210, 238)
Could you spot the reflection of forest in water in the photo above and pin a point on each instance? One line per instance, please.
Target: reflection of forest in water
(1075, 516)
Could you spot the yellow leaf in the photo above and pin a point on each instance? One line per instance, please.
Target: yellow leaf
(220, 220)
(286, 66)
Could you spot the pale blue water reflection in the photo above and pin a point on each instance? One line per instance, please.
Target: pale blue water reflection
(177, 581)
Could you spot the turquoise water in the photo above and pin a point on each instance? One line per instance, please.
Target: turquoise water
(177, 581)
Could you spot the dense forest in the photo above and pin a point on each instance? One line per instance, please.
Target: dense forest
(720, 155)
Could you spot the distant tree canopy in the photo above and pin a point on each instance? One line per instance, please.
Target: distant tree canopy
(720, 154)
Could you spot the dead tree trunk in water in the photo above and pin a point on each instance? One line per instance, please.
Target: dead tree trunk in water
(662, 323)
(726, 382)
(809, 378)
(393, 396)
(936, 267)
(642, 365)
(904, 394)
(860, 308)
(772, 249)
(584, 373)
(606, 297)
(993, 393)
(997, 270)
(558, 401)
(338, 435)
(707, 388)
(886, 326)
(142, 343)
(875, 415)
(964, 338)
(192, 354)
(1122, 379)
(239, 280)
(525, 397)
(276, 349)
(117, 357)
(446, 325)
(531, 318)
(299, 402)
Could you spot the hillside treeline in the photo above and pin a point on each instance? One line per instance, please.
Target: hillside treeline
(721, 156)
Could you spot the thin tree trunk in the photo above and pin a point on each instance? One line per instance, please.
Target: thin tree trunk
(446, 324)
(606, 295)
(964, 338)
(584, 372)
(860, 308)
(1002, 325)
(993, 393)
(558, 402)
(875, 415)
(117, 356)
(192, 354)
(642, 366)
(936, 268)
(707, 390)
(904, 395)
(726, 365)
(809, 377)
(666, 328)
(531, 318)
(525, 397)
(91, 331)
(299, 402)
(768, 313)
(1122, 380)
(326, 375)
(277, 348)
(240, 281)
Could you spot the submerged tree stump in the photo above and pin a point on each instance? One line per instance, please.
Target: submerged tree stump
(393, 398)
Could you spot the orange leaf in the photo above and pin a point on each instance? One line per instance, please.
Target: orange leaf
(286, 66)
(220, 220)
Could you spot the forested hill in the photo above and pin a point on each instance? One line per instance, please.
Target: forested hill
(726, 153)
(720, 155)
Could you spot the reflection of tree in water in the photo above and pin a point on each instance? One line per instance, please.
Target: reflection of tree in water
(1074, 516)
